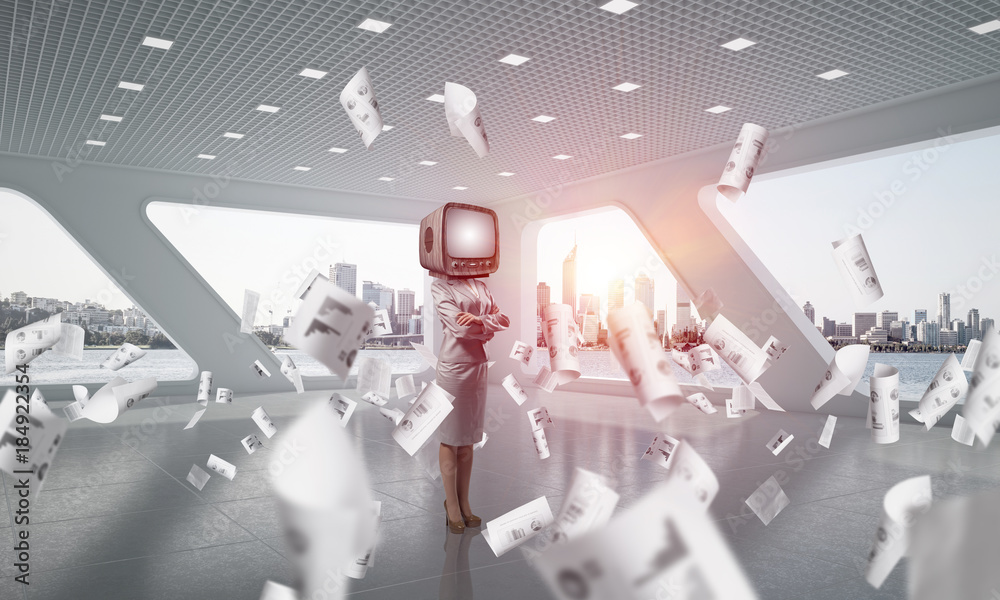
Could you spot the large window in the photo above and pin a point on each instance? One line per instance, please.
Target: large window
(271, 253)
(43, 272)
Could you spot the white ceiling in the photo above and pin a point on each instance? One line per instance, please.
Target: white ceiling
(61, 63)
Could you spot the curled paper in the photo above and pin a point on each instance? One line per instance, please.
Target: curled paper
(226, 469)
(517, 526)
(308, 282)
(541, 443)
(330, 326)
(374, 375)
(358, 99)
(522, 352)
(539, 418)
(110, 401)
(343, 407)
(843, 374)
(422, 419)
(251, 443)
(125, 355)
(259, 368)
(27, 343)
(426, 354)
(464, 119)
(205, 387)
(661, 450)
(690, 475)
(513, 388)
(405, 387)
(198, 477)
(943, 392)
(589, 505)
(743, 161)
(961, 432)
(42, 434)
(291, 373)
(359, 567)
(856, 268)
(779, 441)
(195, 418)
(884, 409)
(903, 503)
(701, 402)
(393, 414)
(380, 323)
(263, 421)
(827, 434)
(561, 337)
(768, 500)
(545, 379)
(224, 396)
(982, 407)
(734, 347)
(971, 352)
(373, 399)
(696, 361)
(276, 591)
(635, 345)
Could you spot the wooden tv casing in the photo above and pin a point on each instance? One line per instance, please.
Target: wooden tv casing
(434, 252)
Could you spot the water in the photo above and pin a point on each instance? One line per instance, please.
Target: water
(165, 365)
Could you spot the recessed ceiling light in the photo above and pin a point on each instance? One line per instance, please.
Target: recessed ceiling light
(267, 108)
(718, 109)
(313, 73)
(95, 143)
(832, 74)
(738, 44)
(505, 174)
(626, 87)
(338, 150)
(207, 156)
(427, 163)
(135, 87)
(235, 136)
(561, 156)
(111, 118)
(987, 26)
(619, 6)
(436, 98)
(373, 25)
(513, 59)
(301, 168)
(460, 188)
(387, 127)
(386, 178)
(157, 43)
(632, 136)
(543, 119)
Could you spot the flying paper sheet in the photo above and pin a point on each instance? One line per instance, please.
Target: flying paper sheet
(663, 544)
(250, 301)
(517, 526)
(308, 282)
(358, 568)
(761, 394)
(125, 355)
(226, 469)
(276, 591)
(768, 500)
(522, 352)
(259, 368)
(422, 419)
(205, 387)
(903, 503)
(697, 360)
(27, 343)
(884, 408)
(373, 399)
(426, 354)
(45, 431)
(690, 475)
(734, 347)
(198, 477)
(462, 111)
(701, 402)
(971, 352)
(263, 421)
(634, 343)
(589, 505)
(374, 375)
(774, 348)
(110, 401)
(539, 418)
(827, 434)
(708, 304)
(743, 161)
(961, 432)
(541, 443)
(732, 412)
(481, 442)
(251, 443)
(779, 441)
(856, 268)
(393, 414)
(343, 406)
(291, 373)
(194, 420)
(661, 450)
(843, 374)
(943, 392)
(330, 326)
(380, 324)
(545, 379)
(513, 388)
(982, 407)
(559, 329)
(224, 396)
(70, 341)
(743, 399)
(358, 99)
(405, 387)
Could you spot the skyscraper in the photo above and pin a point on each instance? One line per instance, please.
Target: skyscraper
(371, 292)
(972, 325)
(919, 315)
(591, 328)
(944, 310)
(590, 304)
(684, 320)
(863, 322)
(345, 276)
(885, 318)
(616, 294)
(661, 322)
(569, 279)
(928, 333)
(958, 326)
(543, 293)
(810, 312)
(985, 325)
(644, 291)
(829, 327)
(406, 301)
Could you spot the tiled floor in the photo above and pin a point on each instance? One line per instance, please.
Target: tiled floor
(116, 519)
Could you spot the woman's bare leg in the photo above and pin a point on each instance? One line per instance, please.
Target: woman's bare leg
(464, 476)
(449, 470)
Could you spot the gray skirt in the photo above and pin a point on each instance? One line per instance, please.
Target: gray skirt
(467, 383)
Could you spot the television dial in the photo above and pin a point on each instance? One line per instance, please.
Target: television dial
(454, 264)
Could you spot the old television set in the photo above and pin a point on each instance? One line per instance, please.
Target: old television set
(459, 241)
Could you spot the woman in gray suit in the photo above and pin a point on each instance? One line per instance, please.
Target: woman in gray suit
(470, 318)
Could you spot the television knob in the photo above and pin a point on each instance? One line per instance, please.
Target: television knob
(454, 264)
(489, 263)
(473, 265)
(463, 263)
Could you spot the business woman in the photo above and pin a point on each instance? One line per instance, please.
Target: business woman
(470, 318)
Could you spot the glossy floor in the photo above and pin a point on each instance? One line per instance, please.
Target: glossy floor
(116, 519)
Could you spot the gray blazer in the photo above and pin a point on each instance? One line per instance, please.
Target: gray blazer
(465, 344)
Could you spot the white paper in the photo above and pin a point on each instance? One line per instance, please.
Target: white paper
(330, 326)
(259, 368)
(393, 414)
(481, 442)
(46, 431)
(743, 161)
(779, 442)
(194, 419)
(422, 419)
(517, 526)
(903, 503)
(843, 374)
(27, 343)
(358, 99)
(539, 418)
(734, 347)
(291, 373)
(70, 341)
(205, 387)
(462, 111)
(250, 301)
(343, 407)
(732, 412)
(226, 469)
(971, 352)
(690, 475)
(943, 392)
(405, 387)
(827, 434)
(545, 379)
(308, 282)
(251, 443)
(521, 352)
(982, 407)
(198, 477)
(560, 331)
(541, 443)
(857, 270)
(883, 409)
(961, 432)
(125, 355)
(380, 324)
(761, 394)
(374, 375)
(373, 399)
(696, 361)
(358, 568)
(768, 500)
(426, 354)
(513, 388)
(276, 591)
(701, 402)
(661, 450)
(263, 421)
(114, 398)
(635, 345)
(774, 348)
(224, 396)
(588, 506)
(743, 399)
(707, 304)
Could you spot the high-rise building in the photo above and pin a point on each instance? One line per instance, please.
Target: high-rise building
(899, 331)
(345, 276)
(844, 330)
(543, 294)
(371, 292)
(684, 320)
(19, 298)
(928, 333)
(958, 326)
(644, 291)
(985, 324)
(863, 322)
(947, 338)
(591, 327)
(406, 301)
(972, 325)
(616, 294)
(661, 322)
(810, 312)
(884, 318)
(569, 278)
(829, 327)
(590, 304)
(919, 315)
(944, 310)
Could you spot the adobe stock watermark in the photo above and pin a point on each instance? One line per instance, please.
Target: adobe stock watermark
(987, 270)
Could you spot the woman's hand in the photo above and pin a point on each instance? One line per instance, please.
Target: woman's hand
(496, 310)
(465, 318)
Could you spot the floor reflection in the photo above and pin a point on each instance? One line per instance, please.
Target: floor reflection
(456, 578)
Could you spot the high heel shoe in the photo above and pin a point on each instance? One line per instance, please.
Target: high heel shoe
(471, 520)
(453, 526)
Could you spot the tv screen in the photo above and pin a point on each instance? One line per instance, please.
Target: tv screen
(471, 234)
